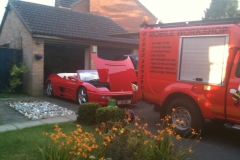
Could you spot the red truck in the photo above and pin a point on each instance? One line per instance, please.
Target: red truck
(192, 68)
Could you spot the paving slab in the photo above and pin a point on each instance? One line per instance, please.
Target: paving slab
(27, 124)
(55, 120)
(7, 127)
(72, 117)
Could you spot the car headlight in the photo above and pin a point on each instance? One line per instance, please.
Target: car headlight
(134, 87)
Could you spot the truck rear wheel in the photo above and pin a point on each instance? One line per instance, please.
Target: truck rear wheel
(185, 115)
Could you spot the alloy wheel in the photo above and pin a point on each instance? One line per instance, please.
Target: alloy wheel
(82, 96)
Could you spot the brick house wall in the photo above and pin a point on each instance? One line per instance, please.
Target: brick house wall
(127, 13)
(13, 29)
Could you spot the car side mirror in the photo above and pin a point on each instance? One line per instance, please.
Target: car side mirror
(71, 78)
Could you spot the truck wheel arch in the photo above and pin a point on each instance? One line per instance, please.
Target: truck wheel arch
(172, 97)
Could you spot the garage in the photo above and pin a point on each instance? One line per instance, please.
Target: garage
(60, 41)
(63, 57)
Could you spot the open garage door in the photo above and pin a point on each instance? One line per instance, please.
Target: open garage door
(112, 53)
(62, 57)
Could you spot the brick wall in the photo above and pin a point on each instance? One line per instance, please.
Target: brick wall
(13, 29)
(127, 13)
(37, 69)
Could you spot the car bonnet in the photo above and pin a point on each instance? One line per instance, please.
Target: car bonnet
(119, 74)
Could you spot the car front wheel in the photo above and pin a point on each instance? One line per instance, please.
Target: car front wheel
(49, 89)
(82, 95)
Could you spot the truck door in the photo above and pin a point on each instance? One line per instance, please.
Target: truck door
(233, 92)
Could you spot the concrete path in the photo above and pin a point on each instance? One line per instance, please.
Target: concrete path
(30, 123)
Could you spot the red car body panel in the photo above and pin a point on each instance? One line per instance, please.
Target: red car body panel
(119, 74)
(118, 78)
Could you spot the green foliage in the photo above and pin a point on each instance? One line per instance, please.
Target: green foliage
(105, 114)
(53, 152)
(23, 144)
(16, 73)
(222, 9)
(87, 113)
(118, 142)
(124, 142)
(79, 144)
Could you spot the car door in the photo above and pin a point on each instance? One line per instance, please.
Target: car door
(70, 87)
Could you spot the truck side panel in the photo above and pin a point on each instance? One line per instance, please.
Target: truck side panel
(160, 73)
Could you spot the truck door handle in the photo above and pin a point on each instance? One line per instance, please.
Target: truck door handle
(199, 79)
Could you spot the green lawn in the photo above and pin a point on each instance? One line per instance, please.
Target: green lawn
(23, 144)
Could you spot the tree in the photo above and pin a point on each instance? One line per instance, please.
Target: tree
(222, 9)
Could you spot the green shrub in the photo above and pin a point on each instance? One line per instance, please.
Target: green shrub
(16, 79)
(87, 113)
(105, 114)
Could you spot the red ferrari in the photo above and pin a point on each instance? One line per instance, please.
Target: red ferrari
(112, 79)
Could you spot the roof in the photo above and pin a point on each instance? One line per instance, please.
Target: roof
(67, 3)
(60, 22)
(127, 35)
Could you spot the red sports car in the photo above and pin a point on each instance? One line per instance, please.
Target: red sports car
(112, 79)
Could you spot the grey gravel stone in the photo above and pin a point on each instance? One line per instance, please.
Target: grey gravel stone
(37, 109)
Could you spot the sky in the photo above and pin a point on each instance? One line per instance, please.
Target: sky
(165, 10)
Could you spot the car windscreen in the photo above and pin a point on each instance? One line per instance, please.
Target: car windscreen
(88, 75)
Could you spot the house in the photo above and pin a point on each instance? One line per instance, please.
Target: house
(57, 40)
(127, 13)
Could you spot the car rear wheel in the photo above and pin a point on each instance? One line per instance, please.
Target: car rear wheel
(82, 95)
(185, 115)
(49, 89)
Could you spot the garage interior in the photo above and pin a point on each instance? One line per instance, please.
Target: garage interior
(113, 53)
(67, 58)
(63, 58)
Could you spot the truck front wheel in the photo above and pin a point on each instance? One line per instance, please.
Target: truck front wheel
(185, 115)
